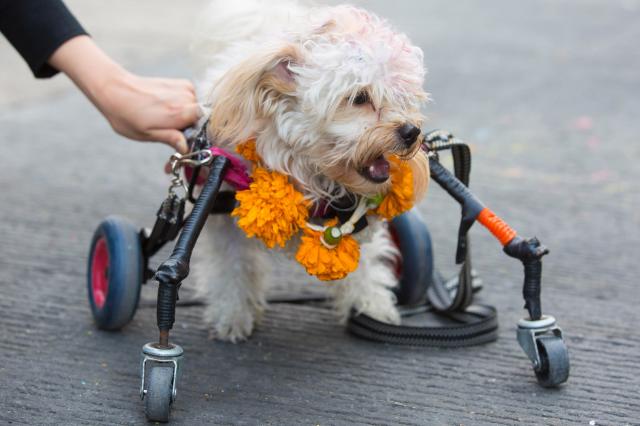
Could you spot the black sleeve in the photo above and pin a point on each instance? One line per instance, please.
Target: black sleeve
(36, 28)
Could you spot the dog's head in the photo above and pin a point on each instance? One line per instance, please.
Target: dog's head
(329, 104)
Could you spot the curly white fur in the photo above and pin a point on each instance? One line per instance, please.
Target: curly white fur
(287, 75)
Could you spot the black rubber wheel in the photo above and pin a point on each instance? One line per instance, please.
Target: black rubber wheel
(114, 273)
(157, 400)
(412, 237)
(554, 357)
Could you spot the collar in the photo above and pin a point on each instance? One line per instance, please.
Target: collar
(342, 209)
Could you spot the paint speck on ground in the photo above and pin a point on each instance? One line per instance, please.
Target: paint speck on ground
(582, 123)
(600, 176)
(593, 142)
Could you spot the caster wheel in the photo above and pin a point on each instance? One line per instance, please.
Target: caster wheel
(114, 274)
(157, 400)
(554, 365)
(415, 267)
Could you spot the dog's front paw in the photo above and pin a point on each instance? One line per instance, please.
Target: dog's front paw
(234, 326)
(384, 311)
(378, 303)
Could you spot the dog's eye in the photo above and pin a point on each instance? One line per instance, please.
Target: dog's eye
(361, 98)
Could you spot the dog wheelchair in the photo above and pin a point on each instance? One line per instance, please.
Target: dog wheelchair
(120, 252)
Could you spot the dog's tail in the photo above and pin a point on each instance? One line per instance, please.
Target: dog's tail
(225, 28)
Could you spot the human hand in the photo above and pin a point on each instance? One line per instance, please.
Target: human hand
(140, 108)
(149, 109)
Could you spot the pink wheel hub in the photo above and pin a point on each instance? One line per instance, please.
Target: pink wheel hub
(100, 273)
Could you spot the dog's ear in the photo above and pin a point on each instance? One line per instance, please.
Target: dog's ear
(251, 92)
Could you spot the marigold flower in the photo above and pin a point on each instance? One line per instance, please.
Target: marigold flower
(328, 264)
(399, 199)
(271, 209)
(248, 151)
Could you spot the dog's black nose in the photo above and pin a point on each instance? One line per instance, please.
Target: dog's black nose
(408, 133)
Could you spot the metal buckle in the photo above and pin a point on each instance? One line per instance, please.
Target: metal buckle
(203, 157)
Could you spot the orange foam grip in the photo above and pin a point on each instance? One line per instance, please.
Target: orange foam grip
(498, 227)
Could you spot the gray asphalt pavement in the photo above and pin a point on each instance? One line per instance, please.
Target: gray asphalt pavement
(547, 93)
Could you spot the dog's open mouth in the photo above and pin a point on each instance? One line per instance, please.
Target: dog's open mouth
(376, 171)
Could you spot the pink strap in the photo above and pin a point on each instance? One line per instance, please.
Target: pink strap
(236, 174)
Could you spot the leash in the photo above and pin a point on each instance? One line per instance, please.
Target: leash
(446, 316)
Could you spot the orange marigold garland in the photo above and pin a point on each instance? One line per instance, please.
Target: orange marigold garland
(271, 209)
(274, 211)
(326, 263)
(248, 150)
(399, 199)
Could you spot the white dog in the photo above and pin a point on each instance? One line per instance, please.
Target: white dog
(328, 93)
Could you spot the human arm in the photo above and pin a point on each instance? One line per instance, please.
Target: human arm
(140, 108)
(50, 39)
(36, 28)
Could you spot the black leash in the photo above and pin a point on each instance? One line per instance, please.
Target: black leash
(476, 325)
(447, 316)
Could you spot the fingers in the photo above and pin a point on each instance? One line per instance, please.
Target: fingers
(176, 83)
(153, 109)
(190, 114)
(187, 85)
(171, 137)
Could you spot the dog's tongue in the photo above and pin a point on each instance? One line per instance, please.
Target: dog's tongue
(378, 170)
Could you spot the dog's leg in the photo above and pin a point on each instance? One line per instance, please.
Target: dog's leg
(368, 289)
(230, 280)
